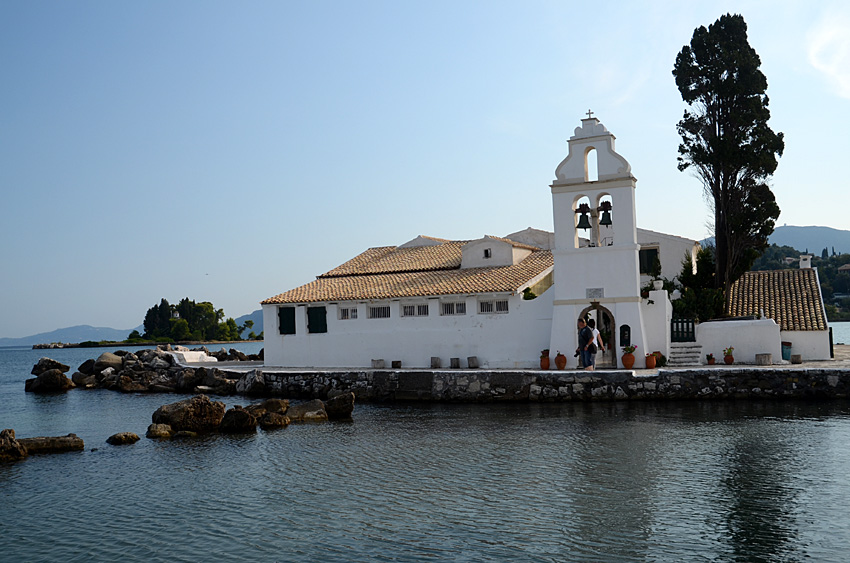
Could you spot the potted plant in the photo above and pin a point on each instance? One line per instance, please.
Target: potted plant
(727, 355)
(544, 359)
(709, 359)
(650, 361)
(628, 356)
(560, 360)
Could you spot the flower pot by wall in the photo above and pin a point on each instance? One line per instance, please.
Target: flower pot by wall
(628, 360)
(560, 361)
(650, 361)
(711, 361)
(657, 284)
(729, 359)
(544, 362)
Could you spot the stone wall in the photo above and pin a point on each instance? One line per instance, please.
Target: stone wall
(472, 386)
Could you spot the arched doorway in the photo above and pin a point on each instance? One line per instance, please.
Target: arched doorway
(606, 326)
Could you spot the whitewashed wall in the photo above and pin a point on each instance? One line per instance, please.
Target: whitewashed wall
(512, 340)
(656, 320)
(747, 337)
(810, 344)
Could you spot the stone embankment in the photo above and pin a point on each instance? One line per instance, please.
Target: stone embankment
(479, 386)
(147, 371)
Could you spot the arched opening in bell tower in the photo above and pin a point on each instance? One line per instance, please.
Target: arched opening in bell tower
(604, 320)
(591, 165)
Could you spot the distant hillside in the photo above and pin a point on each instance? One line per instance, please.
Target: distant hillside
(72, 334)
(815, 239)
(257, 317)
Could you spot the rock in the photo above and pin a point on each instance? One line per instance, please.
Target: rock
(197, 414)
(87, 367)
(127, 385)
(107, 360)
(340, 407)
(159, 431)
(83, 381)
(122, 438)
(186, 380)
(158, 363)
(45, 364)
(237, 420)
(10, 448)
(237, 355)
(252, 383)
(185, 434)
(311, 411)
(51, 381)
(272, 420)
(53, 444)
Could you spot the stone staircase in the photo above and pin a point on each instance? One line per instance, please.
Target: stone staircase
(684, 354)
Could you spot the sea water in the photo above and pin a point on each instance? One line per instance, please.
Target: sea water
(623, 481)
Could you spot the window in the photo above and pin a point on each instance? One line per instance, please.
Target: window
(317, 320)
(453, 308)
(492, 306)
(414, 310)
(346, 313)
(286, 319)
(379, 312)
(488, 253)
(647, 257)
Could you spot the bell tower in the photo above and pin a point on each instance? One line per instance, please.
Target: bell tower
(596, 250)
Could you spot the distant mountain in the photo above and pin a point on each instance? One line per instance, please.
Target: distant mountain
(815, 239)
(72, 334)
(257, 317)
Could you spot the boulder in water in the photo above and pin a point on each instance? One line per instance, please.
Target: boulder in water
(10, 448)
(237, 420)
(197, 414)
(51, 381)
(122, 438)
(45, 364)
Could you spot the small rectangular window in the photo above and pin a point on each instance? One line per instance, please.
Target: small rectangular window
(488, 253)
(414, 310)
(485, 307)
(346, 313)
(647, 258)
(502, 306)
(286, 320)
(492, 306)
(379, 312)
(453, 308)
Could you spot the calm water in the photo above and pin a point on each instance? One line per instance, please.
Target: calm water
(587, 482)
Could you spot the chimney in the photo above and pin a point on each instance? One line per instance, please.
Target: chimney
(805, 261)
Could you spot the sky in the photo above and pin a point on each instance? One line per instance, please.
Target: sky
(230, 151)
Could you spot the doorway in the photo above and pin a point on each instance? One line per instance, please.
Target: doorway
(607, 330)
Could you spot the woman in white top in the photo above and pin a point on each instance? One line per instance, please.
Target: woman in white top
(597, 339)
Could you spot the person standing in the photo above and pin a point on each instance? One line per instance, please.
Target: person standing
(585, 339)
(597, 340)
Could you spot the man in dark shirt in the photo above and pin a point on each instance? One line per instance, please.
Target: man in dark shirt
(585, 337)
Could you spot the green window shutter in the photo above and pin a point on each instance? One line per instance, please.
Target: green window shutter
(286, 318)
(317, 320)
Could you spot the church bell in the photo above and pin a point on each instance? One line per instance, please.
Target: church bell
(605, 220)
(583, 222)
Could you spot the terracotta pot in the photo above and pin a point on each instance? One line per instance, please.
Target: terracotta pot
(560, 361)
(628, 360)
(544, 362)
(729, 359)
(711, 361)
(650, 361)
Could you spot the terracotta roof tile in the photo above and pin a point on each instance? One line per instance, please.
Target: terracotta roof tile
(414, 283)
(791, 298)
(389, 259)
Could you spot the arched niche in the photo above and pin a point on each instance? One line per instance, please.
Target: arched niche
(591, 164)
(604, 219)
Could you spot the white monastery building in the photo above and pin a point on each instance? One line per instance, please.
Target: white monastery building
(495, 301)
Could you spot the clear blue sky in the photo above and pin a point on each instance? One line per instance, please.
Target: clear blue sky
(228, 151)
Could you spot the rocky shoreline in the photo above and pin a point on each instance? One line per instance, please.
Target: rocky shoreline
(147, 371)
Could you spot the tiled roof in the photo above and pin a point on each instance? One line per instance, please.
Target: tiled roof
(514, 243)
(790, 297)
(389, 259)
(416, 283)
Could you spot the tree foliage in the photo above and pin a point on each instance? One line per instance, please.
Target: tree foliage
(700, 299)
(188, 320)
(726, 141)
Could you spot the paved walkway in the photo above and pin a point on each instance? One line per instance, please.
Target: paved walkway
(841, 361)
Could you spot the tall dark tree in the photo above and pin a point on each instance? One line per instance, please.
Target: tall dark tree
(727, 142)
